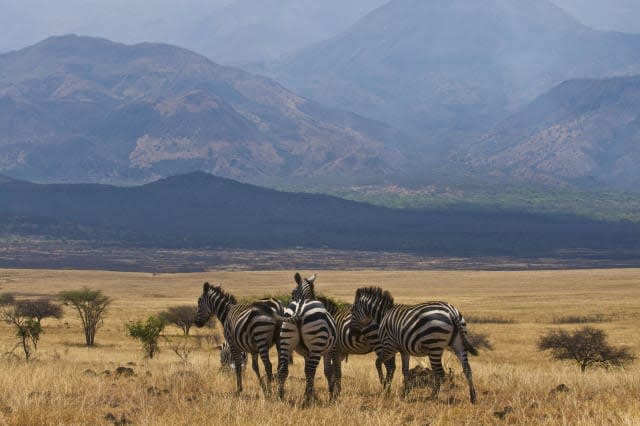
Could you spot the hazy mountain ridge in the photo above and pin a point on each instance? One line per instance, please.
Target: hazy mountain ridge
(200, 210)
(612, 15)
(78, 108)
(582, 132)
(447, 70)
(227, 31)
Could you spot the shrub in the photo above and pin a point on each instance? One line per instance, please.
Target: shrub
(587, 346)
(148, 333)
(480, 340)
(27, 329)
(183, 316)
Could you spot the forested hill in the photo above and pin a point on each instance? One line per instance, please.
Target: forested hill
(201, 210)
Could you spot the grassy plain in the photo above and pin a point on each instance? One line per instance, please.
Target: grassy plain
(56, 389)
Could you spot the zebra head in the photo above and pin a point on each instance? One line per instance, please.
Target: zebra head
(369, 306)
(304, 288)
(212, 301)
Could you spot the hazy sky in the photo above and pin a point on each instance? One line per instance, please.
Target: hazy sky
(231, 31)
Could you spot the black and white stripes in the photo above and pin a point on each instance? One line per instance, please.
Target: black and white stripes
(312, 334)
(423, 329)
(250, 328)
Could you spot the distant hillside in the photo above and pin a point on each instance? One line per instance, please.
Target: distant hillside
(448, 70)
(86, 109)
(200, 210)
(582, 132)
(226, 31)
(612, 15)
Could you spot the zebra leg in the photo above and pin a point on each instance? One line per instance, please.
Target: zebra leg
(337, 373)
(327, 360)
(289, 340)
(264, 355)
(379, 370)
(256, 368)
(435, 359)
(390, 362)
(237, 359)
(405, 374)
(310, 366)
(462, 356)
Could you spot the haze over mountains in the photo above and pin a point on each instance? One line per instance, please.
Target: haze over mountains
(432, 80)
(85, 109)
(447, 70)
(611, 15)
(226, 31)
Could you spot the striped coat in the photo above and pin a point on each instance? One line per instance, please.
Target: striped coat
(312, 334)
(423, 329)
(351, 342)
(251, 328)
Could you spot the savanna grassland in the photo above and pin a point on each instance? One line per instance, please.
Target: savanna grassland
(515, 382)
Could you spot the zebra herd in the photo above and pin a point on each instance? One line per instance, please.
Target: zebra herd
(317, 328)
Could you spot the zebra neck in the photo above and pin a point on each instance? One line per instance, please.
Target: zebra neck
(221, 308)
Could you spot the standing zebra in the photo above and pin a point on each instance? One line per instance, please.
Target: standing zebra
(251, 328)
(418, 330)
(312, 334)
(352, 342)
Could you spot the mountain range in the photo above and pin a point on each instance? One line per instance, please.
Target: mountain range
(447, 70)
(86, 109)
(582, 132)
(226, 31)
(201, 210)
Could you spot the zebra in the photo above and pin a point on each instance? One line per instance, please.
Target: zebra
(312, 334)
(251, 328)
(423, 329)
(226, 359)
(350, 342)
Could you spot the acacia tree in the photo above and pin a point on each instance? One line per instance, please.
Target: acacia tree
(587, 346)
(183, 316)
(39, 309)
(91, 305)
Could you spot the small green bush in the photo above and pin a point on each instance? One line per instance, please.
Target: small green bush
(148, 333)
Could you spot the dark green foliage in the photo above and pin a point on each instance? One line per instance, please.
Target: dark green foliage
(580, 319)
(588, 347)
(285, 298)
(183, 316)
(91, 305)
(148, 333)
(7, 299)
(488, 319)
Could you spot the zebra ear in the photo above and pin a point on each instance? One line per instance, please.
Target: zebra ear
(205, 287)
(311, 279)
(298, 278)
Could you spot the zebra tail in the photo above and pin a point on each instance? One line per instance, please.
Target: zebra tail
(462, 330)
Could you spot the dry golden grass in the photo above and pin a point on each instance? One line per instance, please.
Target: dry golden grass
(54, 389)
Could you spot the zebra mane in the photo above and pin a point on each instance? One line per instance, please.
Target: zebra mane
(375, 293)
(218, 289)
(331, 306)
